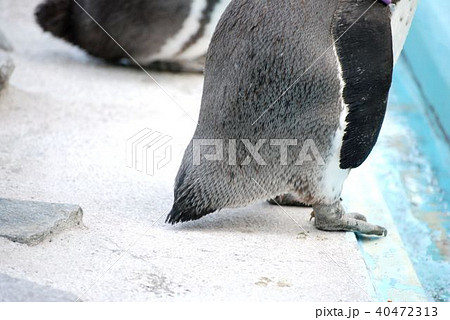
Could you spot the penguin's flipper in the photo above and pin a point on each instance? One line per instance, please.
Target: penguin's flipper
(367, 66)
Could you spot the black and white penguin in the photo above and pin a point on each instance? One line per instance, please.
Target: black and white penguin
(294, 98)
(176, 31)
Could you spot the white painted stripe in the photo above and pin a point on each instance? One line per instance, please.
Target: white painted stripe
(190, 27)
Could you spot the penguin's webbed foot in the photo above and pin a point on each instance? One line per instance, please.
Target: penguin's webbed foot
(287, 199)
(333, 218)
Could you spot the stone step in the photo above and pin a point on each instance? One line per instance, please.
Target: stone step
(31, 222)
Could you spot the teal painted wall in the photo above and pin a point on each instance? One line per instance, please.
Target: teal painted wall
(414, 168)
(428, 54)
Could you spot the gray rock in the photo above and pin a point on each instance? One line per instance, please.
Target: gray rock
(4, 43)
(32, 222)
(6, 69)
(20, 290)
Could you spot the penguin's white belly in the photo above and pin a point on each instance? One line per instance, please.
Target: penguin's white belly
(401, 19)
(170, 51)
(333, 176)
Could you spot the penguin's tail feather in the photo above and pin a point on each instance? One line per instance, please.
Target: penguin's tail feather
(177, 214)
(188, 204)
(54, 16)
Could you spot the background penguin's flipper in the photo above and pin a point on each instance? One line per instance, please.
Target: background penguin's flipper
(54, 16)
(364, 49)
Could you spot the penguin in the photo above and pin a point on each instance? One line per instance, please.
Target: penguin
(164, 34)
(295, 93)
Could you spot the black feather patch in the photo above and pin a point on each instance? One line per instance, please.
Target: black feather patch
(54, 16)
(364, 49)
(178, 214)
(184, 207)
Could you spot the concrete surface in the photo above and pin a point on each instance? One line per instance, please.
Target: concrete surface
(19, 290)
(32, 222)
(65, 120)
(4, 43)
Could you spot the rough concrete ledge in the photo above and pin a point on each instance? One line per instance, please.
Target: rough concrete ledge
(32, 222)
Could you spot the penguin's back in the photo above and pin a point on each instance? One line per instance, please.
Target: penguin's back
(297, 69)
(258, 51)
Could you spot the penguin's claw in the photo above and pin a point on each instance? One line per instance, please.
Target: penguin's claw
(333, 218)
(287, 199)
(357, 216)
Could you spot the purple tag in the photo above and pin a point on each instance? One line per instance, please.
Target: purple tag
(387, 2)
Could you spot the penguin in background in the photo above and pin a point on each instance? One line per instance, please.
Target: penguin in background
(285, 74)
(170, 35)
